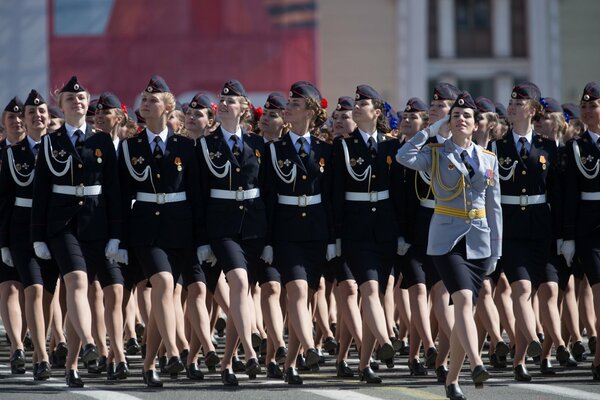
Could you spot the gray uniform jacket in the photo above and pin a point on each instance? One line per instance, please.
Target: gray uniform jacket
(483, 235)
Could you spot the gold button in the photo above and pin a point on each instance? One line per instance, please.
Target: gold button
(303, 177)
(303, 215)
(237, 170)
(523, 172)
(373, 177)
(79, 166)
(158, 176)
(157, 213)
(241, 207)
(524, 190)
(81, 203)
(523, 208)
(374, 209)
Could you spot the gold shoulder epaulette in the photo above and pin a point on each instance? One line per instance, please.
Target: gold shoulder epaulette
(489, 152)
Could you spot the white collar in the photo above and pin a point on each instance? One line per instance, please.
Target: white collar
(366, 136)
(442, 139)
(227, 135)
(470, 150)
(31, 142)
(594, 136)
(71, 129)
(529, 137)
(163, 135)
(294, 136)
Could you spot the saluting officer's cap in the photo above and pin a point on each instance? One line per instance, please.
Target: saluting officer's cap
(157, 85)
(591, 92)
(275, 101)
(366, 92)
(415, 104)
(233, 87)
(464, 100)
(485, 105)
(304, 90)
(500, 110)
(73, 86)
(551, 105)
(526, 90)
(108, 100)
(15, 105)
(34, 99)
(201, 100)
(55, 112)
(445, 91)
(91, 111)
(572, 110)
(345, 103)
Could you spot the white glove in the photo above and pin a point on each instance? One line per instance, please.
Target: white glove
(205, 253)
(435, 127)
(490, 265)
(267, 255)
(331, 252)
(122, 257)
(112, 249)
(568, 250)
(402, 246)
(41, 250)
(559, 243)
(6, 257)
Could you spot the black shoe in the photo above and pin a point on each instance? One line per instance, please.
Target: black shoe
(42, 371)
(220, 326)
(292, 377)
(27, 342)
(453, 392)
(343, 370)
(184, 355)
(480, 374)
(596, 371)
(256, 340)
(534, 349)
(563, 356)
(497, 361)
(430, 357)
(89, 354)
(98, 366)
(211, 359)
(330, 345)
(252, 368)
(151, 378)
(521, 374)
(374, 365)
(237, 364)
(73, 379)
(174, 365)
(228, 378)
(194, 373)
(17, 362)
(301, 363)
(577, 350)
(546, 367)
(368, 375)
(273, 371)
(502, 349)
(404, 348)
(441, 373)
(386, 355)
(541, 337)
(333, 328)
(281, 354)
(139, 331)
(162, 364)
(132, 347)
(416, 367)
(592, 344)
(321, 359)
(262, 349)
(312, 357)
(512, 351)
(396, 343)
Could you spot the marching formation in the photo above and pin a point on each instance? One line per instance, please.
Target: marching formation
(426, 233)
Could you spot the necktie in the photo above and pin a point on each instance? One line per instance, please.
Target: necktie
(465, 160)
(237, 152)
(523, 153)
(157, 153)
(302, 150)
(78, 140)
(372, 147)
(36, 148)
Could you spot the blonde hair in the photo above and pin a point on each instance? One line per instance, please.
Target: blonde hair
(180, 116)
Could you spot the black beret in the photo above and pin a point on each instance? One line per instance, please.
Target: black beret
(15, 105)
(55, 112)
(91, 111)
(201, 100)
(366, 92)
(572, 110)
(485, 105)
(445, 91)
(304, 90)
(500, 110)
(233, 87)
(345, 103)
(591, 92)
(551, 105)
(34, 99)
(415, 104)
(73, 86)
(275, 101)
(526, 90)
(108, 100)
(157, 85)
(464, 100)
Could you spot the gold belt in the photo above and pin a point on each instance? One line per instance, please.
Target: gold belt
(458, 213)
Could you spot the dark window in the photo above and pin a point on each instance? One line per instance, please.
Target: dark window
(432, 34)
(473, 28)
(518, 18)
(478, 87)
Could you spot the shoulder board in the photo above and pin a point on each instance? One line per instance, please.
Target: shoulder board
(435, 144)
(488, 152)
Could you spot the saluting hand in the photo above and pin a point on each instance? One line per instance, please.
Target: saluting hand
(435, 127)
(41, 250)
(7, 257)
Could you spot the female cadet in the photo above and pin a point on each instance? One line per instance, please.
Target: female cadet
(366, 226)
(231, 182)
(11, 289)
(582, 203)
(75, 211)
(466, 228)
(159, 170)
(531, 205)
(16, 186)
(272, 127)
(300, 234)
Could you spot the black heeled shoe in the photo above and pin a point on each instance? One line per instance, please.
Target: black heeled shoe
(534, 349)
(312, 358)
(151, 379)
(369, 376)
(343, 370)
(563, 356)
(73, 379)
(441, 373)
(228, 378)
(330, 345)
(479, 375)
(193, 372)
(98, 366)
(117, 372)
(174, 365)
(497, 361)
(211, 359)
(521, 374)
(546, 367)
(386, 355)
(292, 377)
(17, 362)
(273, 371)
(281, 354)
(89, 354)
(454, 392)
(132, 347)
(237, 364)
(416, 368)
(42, 371)
(252, 368)
(430, 357)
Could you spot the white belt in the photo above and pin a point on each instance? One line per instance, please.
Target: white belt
(160, 198)
(79, 191)
(372, 197)
(427, 203)
(237, 195)
(590, 196)
(22, 202)
(300, 201)
(523, 200)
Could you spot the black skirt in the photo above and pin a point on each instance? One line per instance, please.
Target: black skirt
(301, 261)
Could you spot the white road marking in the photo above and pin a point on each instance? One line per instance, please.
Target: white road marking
(337, 394)
(557, 391)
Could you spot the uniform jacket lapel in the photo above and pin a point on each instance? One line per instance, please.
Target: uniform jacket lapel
(292, 153)
(65, 143)
(452, 155)
(225, 149)
(588, 138)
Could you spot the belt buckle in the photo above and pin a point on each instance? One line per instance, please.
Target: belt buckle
(161, 198)
(472, 214)
(239, 195)
(523, 200)
(373, 197)
(302, 201)
(79, 191)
